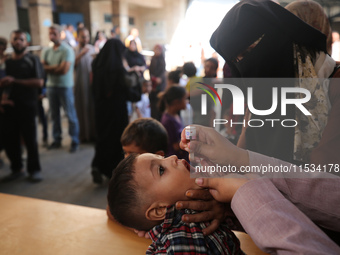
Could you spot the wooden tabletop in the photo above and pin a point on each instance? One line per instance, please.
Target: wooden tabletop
(33, 226)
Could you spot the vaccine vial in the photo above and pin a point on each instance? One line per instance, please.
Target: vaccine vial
(190, 135)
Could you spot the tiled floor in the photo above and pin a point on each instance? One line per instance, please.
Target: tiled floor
(67, 176)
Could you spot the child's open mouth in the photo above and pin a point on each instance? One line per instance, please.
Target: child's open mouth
(187, 165)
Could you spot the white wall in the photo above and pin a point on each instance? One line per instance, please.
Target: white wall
(97, 11)
(8, 17)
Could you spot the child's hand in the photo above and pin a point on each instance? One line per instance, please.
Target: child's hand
(211, 210)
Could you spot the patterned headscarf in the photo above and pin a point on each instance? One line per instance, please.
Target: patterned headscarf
(309, 130)
(314, 15)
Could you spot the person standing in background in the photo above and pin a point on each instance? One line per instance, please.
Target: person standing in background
(158, 79)
(134, 35)
(3, 46)
(134, 59)
(143, 106)
(58, 62)
(115, 32)
(100, 41)
(82, 88)
(136, 63)
(210, 68)
(111, 117)
(314, 15)
(171, 103)
(80, 25)
(24, 75)
(69, 36)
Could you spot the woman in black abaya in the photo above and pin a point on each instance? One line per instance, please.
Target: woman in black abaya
(261, 39)
(111, 118)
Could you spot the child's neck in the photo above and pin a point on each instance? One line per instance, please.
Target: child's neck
(172, 110)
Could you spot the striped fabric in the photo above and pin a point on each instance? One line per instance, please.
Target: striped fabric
(174, 236)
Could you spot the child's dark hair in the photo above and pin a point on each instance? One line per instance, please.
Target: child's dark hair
(174, 76)
(147, 133)
(189, 69)
(123, 199)
(172, 94)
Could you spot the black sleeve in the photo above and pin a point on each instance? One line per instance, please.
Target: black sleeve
(39, 70)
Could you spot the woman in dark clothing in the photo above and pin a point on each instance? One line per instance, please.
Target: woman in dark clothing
(261, 39)
(111, 118)
(158, 79)
(134, 59)
(136, 63)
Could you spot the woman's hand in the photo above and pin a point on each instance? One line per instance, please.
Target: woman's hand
(214, 148)
(223, 189)
(210, 209)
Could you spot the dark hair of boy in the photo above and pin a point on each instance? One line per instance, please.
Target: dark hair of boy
(174, 76)
(148, 134)
(172, 94)
(123, 199)
(189, 69)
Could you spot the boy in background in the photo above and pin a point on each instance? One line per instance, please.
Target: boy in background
(142, 194)
(210, 68)
(144, 135)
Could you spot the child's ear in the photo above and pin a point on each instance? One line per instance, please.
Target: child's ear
(161, 153)
(156, 211)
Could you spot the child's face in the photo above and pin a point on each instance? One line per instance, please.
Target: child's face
(210, 69)
(182, 103)
(147, 87)
(163, 179)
